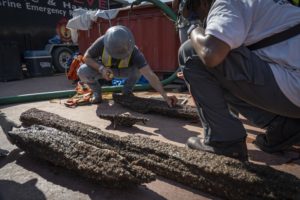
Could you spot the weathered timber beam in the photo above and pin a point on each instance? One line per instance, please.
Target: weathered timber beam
(147, 105)
(104, 166)
(217, 175)
(124, 119)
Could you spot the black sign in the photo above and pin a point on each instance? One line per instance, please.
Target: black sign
(50, 7)
(31, 23)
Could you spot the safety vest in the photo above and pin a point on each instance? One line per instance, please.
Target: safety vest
(106, 60)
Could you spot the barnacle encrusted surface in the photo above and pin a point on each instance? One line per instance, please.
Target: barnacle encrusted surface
(147, 105)
(217, 175)
(124, 119)
(62, 149)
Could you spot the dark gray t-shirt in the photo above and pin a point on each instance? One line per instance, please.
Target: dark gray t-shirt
(137, 58)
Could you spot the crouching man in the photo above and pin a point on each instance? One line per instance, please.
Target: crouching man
(115, 53)
(226, 65)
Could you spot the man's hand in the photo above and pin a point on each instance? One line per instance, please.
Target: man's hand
(107, 74)
(171, 101)
(7, 125)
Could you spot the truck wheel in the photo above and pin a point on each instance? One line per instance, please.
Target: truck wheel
(60, 58)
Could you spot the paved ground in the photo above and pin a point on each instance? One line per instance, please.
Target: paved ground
(22, 177)
(35, 85)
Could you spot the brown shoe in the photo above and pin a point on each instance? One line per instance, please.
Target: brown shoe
(236, 150)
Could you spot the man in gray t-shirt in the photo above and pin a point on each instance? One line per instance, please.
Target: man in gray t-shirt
(115, 53)
(224, 74)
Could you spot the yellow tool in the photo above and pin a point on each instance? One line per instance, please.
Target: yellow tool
(110, 75)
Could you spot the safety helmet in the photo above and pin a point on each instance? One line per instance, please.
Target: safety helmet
(119, 42)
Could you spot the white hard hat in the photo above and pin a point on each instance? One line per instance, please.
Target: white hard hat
(119, 41)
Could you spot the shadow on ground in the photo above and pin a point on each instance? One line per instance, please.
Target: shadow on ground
(172, 128)
(275, 159)
(179, 185)
(10, 190)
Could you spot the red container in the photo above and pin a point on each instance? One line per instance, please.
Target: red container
(154, 34)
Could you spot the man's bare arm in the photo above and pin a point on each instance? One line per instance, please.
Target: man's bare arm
(91, 62)
(211, 50)
(156, 84)
(106, 72)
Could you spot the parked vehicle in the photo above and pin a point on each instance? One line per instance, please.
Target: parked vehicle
(41, 25)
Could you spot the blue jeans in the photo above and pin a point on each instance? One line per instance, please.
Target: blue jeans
(90, 76)
(243, 82)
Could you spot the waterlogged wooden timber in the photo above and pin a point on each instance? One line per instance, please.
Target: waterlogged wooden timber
(124, 119)
(62, 149)
(217, 175)
(147, 105)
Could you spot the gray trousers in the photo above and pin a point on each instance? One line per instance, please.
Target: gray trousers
(243, 82)
(90, 76)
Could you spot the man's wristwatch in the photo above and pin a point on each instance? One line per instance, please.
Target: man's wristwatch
(192, 27)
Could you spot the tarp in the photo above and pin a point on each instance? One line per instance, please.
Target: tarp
(82, 19)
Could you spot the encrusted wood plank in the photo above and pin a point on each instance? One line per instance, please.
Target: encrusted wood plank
(62, 149)
(124, 119)
(147, 105)
(217, 175)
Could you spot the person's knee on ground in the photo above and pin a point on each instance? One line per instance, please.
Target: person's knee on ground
(91, 77)
(281, 134)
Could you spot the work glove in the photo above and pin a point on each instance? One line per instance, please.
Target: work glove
(7, 125)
